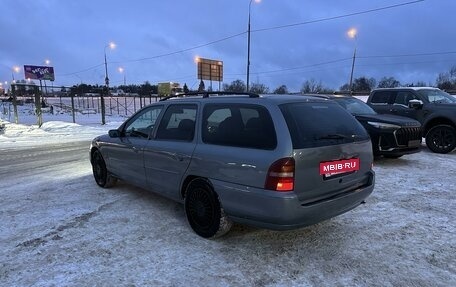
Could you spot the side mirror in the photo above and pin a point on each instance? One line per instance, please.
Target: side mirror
(415, 104)
(114, 133)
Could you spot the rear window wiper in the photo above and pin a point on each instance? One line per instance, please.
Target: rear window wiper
(332, 137)
(339, 137)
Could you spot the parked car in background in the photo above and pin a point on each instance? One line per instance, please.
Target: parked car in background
(392, 136)
(276, 162)
(433, 108)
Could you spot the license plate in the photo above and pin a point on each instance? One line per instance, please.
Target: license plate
(330, 168)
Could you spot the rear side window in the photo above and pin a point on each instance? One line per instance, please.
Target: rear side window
(240, 125)
(321, 124)
(178, 123)
(381, 97)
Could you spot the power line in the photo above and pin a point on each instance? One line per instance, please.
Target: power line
(408, 55)
(257, 30)
(181, 51)
(81, 71)
(337, 17)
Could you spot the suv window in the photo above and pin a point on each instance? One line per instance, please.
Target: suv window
(381, 97)
(143, 123)
(437, 96)
(321, 124)
(240, 125)
(403, 98)
(178, 123)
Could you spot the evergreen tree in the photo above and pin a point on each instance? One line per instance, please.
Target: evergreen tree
(201, 87)
(185, 88)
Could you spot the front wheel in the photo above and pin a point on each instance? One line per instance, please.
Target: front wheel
(100, 173)
(441, 139)
(204, 212)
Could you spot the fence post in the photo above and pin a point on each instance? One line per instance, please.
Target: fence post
(125, 105)
(72, 108)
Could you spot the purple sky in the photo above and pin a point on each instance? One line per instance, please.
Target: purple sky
(157, 41)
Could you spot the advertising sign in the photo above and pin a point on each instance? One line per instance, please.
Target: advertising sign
(39, 72)
(210, 70)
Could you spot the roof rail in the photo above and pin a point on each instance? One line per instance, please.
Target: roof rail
(207, 94)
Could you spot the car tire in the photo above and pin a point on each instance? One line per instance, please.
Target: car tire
(204, 211)
(102, 177)
(441, 139)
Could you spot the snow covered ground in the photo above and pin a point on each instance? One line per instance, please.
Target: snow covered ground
(58, 228)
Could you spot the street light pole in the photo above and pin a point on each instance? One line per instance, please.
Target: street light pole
(15, 69)
(352, 34)
(351, 74)
(248, 48)
(248, 45)
(102, 103)
(122, 71)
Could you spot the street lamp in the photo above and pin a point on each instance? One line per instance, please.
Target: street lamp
(111, 45)
(47, 62)
(16, 69)
(122, 71)
(248, 44)
(352, 34)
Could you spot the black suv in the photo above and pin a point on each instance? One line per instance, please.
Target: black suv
(391, 136)
(433, 108)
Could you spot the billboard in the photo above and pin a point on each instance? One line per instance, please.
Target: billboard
(210, 69)
(39, 72)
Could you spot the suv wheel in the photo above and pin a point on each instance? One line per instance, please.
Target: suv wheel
(100, 173)
(204, 212)
(441, 139)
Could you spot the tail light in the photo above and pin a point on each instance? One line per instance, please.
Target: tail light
(281, 175)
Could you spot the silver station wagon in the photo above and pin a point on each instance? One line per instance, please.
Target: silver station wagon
(278, 162)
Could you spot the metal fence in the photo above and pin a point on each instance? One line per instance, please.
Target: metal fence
(77, 106)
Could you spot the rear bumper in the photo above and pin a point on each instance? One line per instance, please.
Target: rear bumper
(283, 211)
(399, 151)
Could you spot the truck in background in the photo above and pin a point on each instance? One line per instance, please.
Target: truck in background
(169, 89)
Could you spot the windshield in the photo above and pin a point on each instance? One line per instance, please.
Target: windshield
(437, 96)
(355, 106)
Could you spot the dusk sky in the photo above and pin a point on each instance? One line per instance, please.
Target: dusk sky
(291, 40)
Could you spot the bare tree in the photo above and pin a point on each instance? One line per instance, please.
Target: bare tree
(311, 86)
(447, 80)
(259, 89)
(281, 90)
(388, 82)
(235, 86)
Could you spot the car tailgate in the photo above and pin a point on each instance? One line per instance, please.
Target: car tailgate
(312, 184)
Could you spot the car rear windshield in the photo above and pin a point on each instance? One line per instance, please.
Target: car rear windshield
(316, 124)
